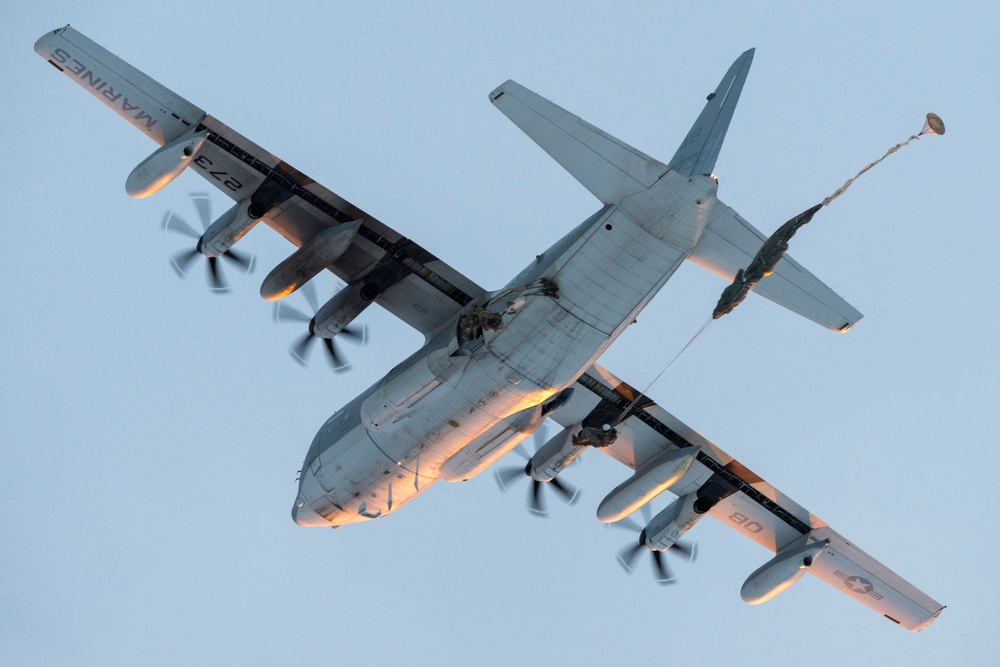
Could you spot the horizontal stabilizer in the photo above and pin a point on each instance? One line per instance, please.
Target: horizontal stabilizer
(729, 242)
(700, 150)
(609, 168)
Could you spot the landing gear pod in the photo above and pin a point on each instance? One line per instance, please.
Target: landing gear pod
(303, 264)
(780, 572)
(164, 165)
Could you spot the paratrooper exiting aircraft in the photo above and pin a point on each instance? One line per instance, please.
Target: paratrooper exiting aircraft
(497, 364)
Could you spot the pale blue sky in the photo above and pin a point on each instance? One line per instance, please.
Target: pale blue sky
(151, 431)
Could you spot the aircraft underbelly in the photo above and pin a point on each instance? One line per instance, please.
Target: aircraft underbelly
(603, 281)
(451, 414)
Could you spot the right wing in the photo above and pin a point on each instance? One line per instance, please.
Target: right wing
(755, 508)
(428, 292)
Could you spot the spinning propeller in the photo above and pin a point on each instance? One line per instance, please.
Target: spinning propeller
(301, 347)
(182, 260)
(536, 501)
(628, 554)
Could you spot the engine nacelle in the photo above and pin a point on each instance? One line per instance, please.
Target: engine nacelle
(663, 531)
(338, 313)
(552, 457)
(648, 481)
(303, 264)
(164, 165)
(780, 572)
(231, 226)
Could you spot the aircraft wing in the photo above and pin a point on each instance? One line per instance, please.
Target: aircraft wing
(432, 291)
(429, 293)
(756, 509)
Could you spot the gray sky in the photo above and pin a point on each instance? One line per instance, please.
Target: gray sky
(151, 431)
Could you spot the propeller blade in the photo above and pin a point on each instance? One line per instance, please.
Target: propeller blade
(300, 349)
(519, 450)
(203, 204)
(687, 549)
(506, 476)
(541, 435)
(245, 262)
(536, 505)
(627, 523)
(216, 281)
(357, 334)
(628, 554)
(567, 490)
(284, 313)
(182, 260)
(647, 514)
(309, 292)
(175, 223)
(339, 365)
(661, 570)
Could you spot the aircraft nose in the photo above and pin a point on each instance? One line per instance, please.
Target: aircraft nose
(304, 515)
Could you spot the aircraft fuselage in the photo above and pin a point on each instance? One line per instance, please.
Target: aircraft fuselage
(472, 393)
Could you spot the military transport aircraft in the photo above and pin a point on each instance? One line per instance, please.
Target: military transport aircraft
(497, 364)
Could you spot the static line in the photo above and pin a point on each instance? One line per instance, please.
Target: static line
(635, 400)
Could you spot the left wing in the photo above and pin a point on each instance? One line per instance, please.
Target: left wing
(425, 292)
(754, 508)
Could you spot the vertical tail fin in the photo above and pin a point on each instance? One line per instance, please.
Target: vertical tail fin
(700, 150)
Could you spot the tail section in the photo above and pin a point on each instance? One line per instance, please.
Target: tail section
(611, 169)
(700, 149)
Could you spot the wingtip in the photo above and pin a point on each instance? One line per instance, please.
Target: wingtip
(501, 90)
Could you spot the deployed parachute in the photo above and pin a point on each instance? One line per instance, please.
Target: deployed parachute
(763, 263)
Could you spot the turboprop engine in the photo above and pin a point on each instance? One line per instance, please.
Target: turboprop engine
(557, 453)
(333, 318)
(663, 532)
(231, 227)
(338, 313)
(777, 574)
(669, 525)
(164, 165)
(218, 238)
(302, 265)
